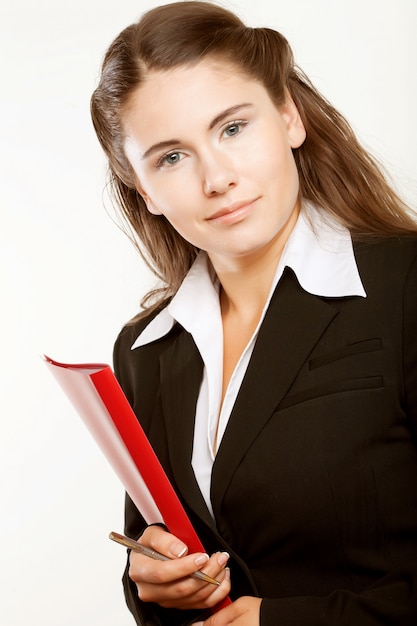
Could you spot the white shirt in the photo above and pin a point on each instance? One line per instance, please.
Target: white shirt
(319, 251)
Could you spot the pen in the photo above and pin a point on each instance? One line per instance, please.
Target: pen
(153, 554)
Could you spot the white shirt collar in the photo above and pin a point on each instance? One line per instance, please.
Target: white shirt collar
(319, 251)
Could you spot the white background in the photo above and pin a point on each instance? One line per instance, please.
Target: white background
(69, 279)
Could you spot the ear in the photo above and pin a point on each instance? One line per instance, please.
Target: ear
(295, 127)
(151, 207)
(149, 204)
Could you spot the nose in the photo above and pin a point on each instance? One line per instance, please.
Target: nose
(219, 175)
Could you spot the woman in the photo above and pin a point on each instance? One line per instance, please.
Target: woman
(275, 368)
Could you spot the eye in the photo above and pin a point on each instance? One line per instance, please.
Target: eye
(234, 128)
(169, 159)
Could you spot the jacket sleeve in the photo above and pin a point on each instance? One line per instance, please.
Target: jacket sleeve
(410, 347)
(392, 602)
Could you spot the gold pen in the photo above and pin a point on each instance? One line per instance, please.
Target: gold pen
(153, 554)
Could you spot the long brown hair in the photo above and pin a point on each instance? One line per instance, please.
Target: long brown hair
(335, 171)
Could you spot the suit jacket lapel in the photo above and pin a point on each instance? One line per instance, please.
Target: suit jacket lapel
(292, 326)
(181, 375)
(294, 322)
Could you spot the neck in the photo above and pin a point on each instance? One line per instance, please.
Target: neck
(246, 281)
(244, 290)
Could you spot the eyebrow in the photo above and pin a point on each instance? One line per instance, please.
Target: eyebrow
(230, 111)
(162, 145)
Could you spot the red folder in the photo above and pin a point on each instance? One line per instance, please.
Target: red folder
(98, 398)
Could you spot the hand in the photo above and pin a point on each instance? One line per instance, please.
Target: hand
(243, 612)
(168, 583)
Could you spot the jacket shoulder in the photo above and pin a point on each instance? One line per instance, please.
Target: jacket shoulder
(132, 367)
(401, 245)
(132, 330)
(138, 370)
(388, 258)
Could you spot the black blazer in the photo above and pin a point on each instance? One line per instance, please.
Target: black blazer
(314, 487)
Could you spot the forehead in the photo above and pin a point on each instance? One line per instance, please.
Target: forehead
(214, 68)
(187, 93)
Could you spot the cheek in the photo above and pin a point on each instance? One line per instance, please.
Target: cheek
(175, 207)
(178, 200)
(187, 228)
(277, 167)
(271, 154)
(161, 198)
(171, 188)
(285, 183)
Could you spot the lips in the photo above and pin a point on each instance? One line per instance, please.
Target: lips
(233, 211)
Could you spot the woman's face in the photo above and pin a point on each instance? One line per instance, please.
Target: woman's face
(213, 154)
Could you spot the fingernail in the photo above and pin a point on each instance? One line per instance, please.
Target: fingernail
(223, 558)
(227, 573)
(203, 558)
(198, 624)
(178, 549)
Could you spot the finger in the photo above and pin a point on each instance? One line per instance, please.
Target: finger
(158, 582)
(202, 595)
(221, 618)
(243, 612)
(144, 568)
(210, 595)
(186, 593)
(162, 541)
(216, 564)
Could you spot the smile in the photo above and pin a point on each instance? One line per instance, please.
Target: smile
(233, 213)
